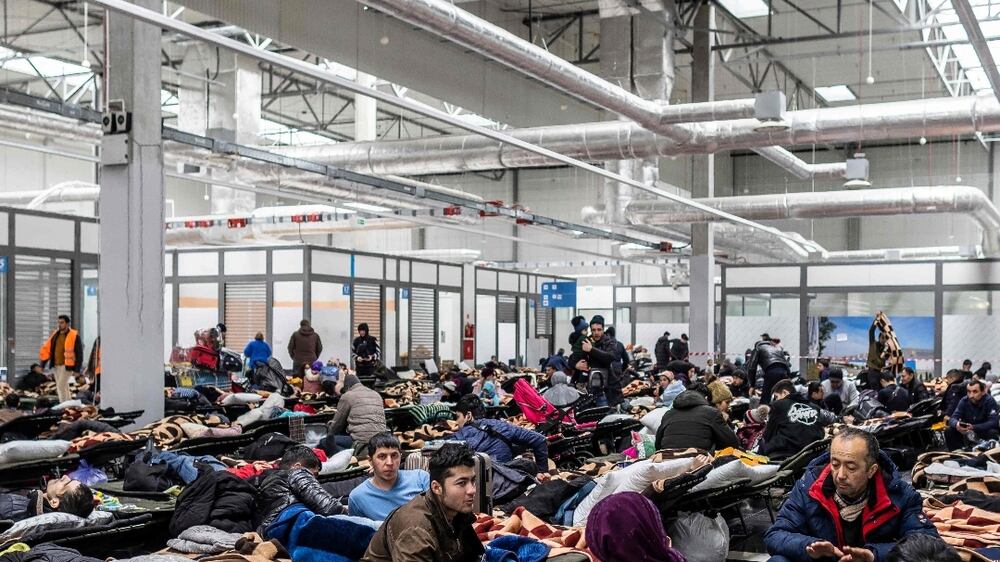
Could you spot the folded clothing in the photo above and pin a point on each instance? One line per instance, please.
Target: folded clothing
(204, 539)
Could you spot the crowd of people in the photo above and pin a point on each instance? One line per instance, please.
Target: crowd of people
(851, 504)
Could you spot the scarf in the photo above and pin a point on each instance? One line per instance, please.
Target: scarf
(850, 510)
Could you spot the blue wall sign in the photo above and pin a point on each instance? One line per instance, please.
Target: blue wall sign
(560, 294)
(91, 290)
(404, 294)
(347, 289)
(3, 264)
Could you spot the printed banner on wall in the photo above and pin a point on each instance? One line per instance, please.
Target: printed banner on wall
(845, 339)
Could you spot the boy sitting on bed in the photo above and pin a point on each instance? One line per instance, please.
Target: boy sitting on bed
(64, 494)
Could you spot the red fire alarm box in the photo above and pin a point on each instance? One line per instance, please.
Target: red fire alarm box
(468, 349)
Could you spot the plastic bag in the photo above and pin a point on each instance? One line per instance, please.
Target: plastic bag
(699, 538)
(89, 475)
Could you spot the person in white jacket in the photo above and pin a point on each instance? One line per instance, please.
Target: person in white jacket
(846, 390)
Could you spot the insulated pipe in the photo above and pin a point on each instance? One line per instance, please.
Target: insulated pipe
(69, 191)
(833, 204)
(451, 22)
(800, 168)
(620, 140)
(935, 252)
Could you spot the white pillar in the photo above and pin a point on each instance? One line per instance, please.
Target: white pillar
(132, 212)
(365, 124)
(702, 277)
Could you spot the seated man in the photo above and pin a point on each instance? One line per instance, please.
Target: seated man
(974, 419)
(792, 423)
(740, 387)
(850, 506)
(435, 526)
(32, 379)
(845, 390)
(918, 391)
(360, 415)
(499, 439)
(692, 422)
(64, 495)
(954, 392)
(894, 397)
(389, 487)
(294, 481)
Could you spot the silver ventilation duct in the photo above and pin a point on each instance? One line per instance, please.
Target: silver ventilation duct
(798, 167)
(447, 20)
(833, 204)
(63, 192)
(897, 254)
(619, 140)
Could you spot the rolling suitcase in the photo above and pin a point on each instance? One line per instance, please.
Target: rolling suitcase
(484, 475)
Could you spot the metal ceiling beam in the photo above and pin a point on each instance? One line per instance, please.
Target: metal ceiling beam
(323, 75)
(968, 18)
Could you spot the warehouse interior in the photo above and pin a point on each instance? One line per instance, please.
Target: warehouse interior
(469, 177)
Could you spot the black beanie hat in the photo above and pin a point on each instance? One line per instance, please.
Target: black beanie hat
(597, 319)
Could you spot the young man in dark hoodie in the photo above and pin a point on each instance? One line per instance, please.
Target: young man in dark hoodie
(693, 422)
(792, 424)
(954, 393)
(602, 351)
(894, 397)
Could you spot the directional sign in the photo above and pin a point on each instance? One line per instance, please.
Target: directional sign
(560, 294)
(404, 294)
(3, 264)
(347, 289)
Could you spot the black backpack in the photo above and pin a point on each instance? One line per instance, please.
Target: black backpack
(141, 476)
(268, 447)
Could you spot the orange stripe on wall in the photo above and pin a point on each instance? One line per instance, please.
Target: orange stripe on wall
(331, 305)
(197, 302)
(390, 306)
(287, 304)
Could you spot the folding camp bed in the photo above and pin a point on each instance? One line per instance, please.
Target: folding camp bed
(121, 419)
(110, 455)
(123, 537)
(28, 473)
(570, 452)
(29, 426)
(613, 436)
(215, 446)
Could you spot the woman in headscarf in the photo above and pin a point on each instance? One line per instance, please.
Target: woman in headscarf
(627, 526)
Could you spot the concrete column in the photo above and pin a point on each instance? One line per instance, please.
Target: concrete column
(131, 229)
(702, 312)
(365, 123)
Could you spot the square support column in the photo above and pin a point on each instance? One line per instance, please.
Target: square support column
(132, 209)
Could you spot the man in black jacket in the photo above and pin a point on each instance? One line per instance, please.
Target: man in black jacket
(792, 424)
(294, 481)
(692, 422)
(918, 391)
(770, 360)
(895, 398)
(662, 351)
(954, 393)
(601, 351)
(679, 348)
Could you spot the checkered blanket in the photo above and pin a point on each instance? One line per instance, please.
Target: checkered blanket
(964, 525)
(891, 353)
(562, 540)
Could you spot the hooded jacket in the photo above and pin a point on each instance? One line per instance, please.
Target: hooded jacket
(360, 413)
(810, 514)
(560, 394)
(499, 439)
(281, 488)
(918, 390)
(792, 424)
(419, 531)
(952, 396)
(662, 351)
(693, 423)
(304, 346)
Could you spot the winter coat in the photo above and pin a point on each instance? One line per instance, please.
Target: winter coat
(918, 391)
(952, 396)
(692, 422)
(678, 350)
(895, 398)
(662, 351)
(603, 353)
(48, 552)
(257, 353)
(983, 416)
(763, 356)
(419, 531)
(366, 346)
(558, 362)
(894, 511)
(560, 394)
(848, 392)
(360, 414)
(502, 440)
(304, 346)
(792, 424)
(219, 499)
(15, 507)
(281, 488)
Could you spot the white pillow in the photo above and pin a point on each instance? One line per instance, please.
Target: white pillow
(194, 430)
(241, 398)
(250, 417)
(74, 403)
(33, 527)
(638, 477)
(337, 462)
(22, 451)
(644, 401)
(652, 420)
(733, 471)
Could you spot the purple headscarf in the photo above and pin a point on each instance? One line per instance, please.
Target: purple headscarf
(627, 526)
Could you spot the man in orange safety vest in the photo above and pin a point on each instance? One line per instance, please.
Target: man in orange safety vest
(64, 352)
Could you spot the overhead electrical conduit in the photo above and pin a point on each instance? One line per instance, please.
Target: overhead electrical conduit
(621, 140)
